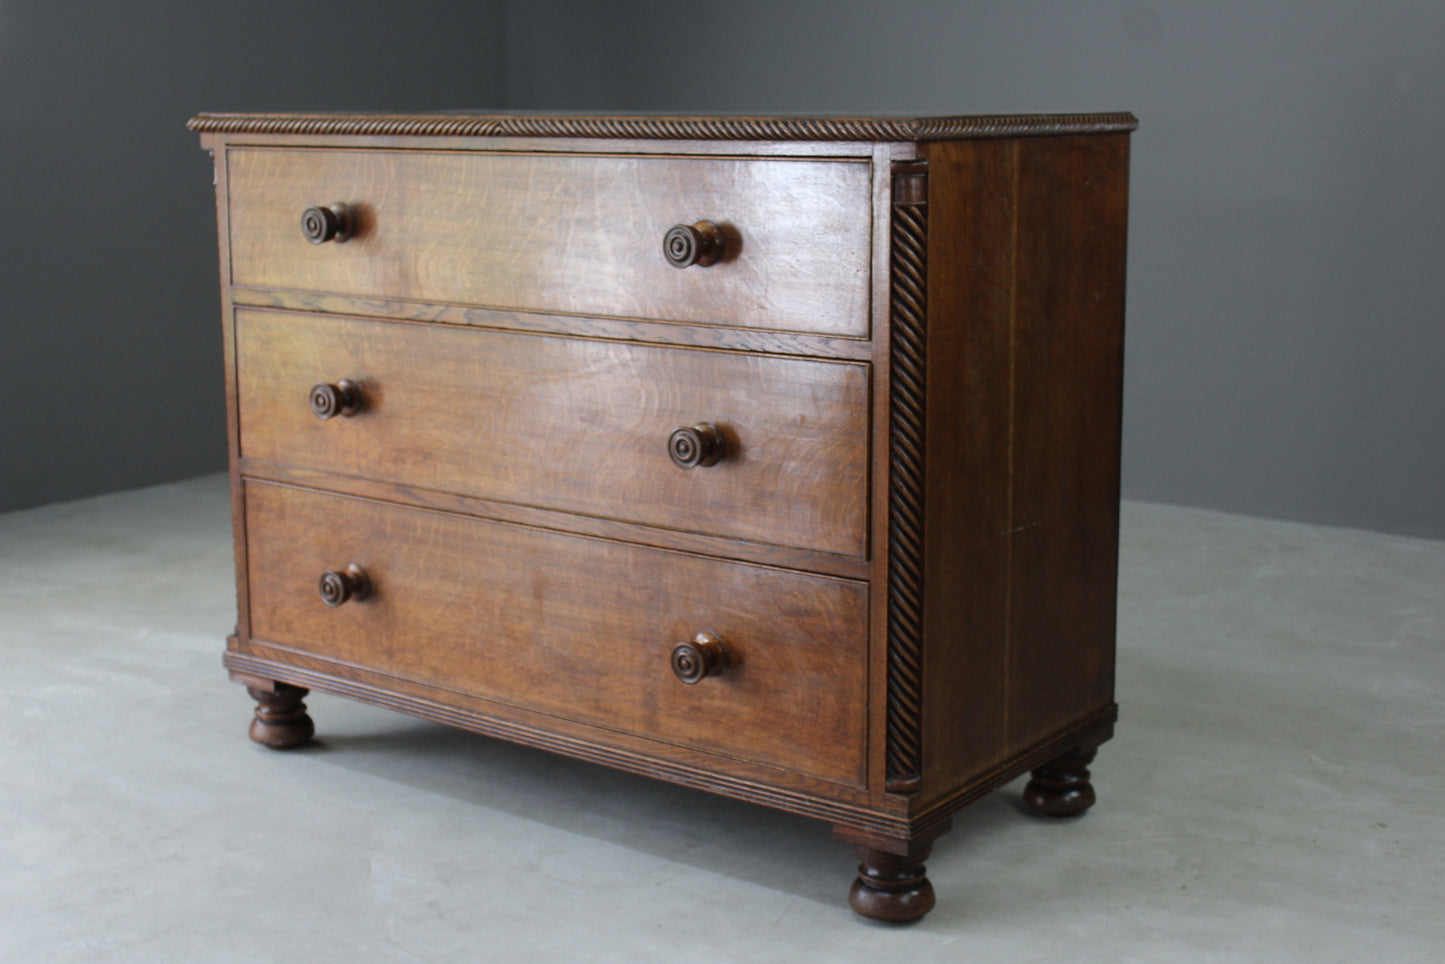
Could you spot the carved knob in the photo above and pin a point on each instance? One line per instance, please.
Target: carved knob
(699, 244)
(331, 222)
(349, 583)
(343, 398)
(702, 656)
(702, 444)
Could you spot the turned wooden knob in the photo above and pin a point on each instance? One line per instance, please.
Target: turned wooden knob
(687, 244)
(702, 444)
(343, 398)
(337, 586)
(330, 222)
(702, 656)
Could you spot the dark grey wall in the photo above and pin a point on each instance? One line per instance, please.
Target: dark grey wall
(1286, 338)
(110, 367)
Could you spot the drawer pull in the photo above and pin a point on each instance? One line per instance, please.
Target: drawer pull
(332, 222)
(702, 444)
(702, 656)
(349, 583)
(343, 398)
(687, 244)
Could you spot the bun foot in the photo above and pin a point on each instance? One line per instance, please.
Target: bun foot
(281, 721)
(890, 887)
(1061, 788)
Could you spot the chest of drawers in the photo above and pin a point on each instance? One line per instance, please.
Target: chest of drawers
(777, 457)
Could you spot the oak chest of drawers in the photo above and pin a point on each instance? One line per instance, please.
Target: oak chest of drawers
(777, 457)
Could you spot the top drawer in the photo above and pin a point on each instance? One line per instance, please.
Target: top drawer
(564, 232)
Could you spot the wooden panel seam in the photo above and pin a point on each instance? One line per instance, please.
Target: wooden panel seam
(1005, 684)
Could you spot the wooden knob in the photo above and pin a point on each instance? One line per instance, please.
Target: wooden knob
(687, 244)
(700, 657)
(343, 398)
(337, 586)
(702, 444)
(331, 222)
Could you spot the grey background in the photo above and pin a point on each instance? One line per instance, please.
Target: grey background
(1284, 346)
(110, 366)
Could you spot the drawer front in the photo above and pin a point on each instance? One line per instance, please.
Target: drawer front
(564, 233)
(570, 626)
(578, 425)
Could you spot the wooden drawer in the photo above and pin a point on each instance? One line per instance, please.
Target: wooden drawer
(572, 424)
(564, 233)
(570, 626)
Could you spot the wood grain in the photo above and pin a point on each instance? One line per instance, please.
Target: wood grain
(574, 627)
(584, 326)
(570, 424)
(965, 566)
(781, 557)
(1026, 256)
(550, 232)
(1069, 332)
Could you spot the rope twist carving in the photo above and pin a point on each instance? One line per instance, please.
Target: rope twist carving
(669, 128)
(907, 307)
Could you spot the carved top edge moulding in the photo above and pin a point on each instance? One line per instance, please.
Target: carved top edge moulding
(671, 127)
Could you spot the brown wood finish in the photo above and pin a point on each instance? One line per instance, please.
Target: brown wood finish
(1073, 205)
(785, 557)
(551, 232)
(776, 457)
(653, 128)
(575, 326)
(548, 144)
(281, 721)
(577, 425)
(908, 304)
(216, 154)
(892, 887)
(706, 654)
(967, 437)
(517, 616)
(740, 779)
(1061, 788)
(703, 244)
(1026, 311)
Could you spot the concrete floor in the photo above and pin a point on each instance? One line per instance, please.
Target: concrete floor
(1275, 791)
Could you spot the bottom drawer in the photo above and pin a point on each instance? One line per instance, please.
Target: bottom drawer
(569, 626)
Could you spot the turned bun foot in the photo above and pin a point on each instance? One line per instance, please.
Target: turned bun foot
(281, 721)
(1061, 788)
(890, 887)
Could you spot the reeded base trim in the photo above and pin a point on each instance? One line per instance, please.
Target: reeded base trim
(475, 715)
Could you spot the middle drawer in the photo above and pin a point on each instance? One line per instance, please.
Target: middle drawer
(577, 425)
